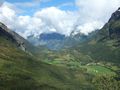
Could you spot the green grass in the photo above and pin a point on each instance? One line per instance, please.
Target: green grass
(91, 69)
(99, 70)
(21, 71)
(80, 61)
(65, 70)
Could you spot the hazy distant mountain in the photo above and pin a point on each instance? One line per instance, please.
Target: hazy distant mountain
(56, 41)
(52, 41)
(51, 36)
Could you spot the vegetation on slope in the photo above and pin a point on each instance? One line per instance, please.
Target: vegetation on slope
(19, 70)
(92, 65)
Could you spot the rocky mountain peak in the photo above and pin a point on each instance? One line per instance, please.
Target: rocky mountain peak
(115, 15)
(114, 25)
(111, 29)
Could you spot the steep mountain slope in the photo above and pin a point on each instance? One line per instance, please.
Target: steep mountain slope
(105, 44)
(22, 71)
(111, 29)
(19, 41)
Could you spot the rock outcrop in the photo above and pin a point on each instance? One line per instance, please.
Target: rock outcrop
(12, 36)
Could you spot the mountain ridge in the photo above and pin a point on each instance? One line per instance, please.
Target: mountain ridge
(18, 40)
(21, 71)
(89, 65)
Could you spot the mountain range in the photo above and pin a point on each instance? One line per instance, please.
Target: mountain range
(53, 61)
(57, 41)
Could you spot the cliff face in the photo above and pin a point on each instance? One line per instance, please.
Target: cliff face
(115, 16)
(12, 36)
(114, 25)
(104, 45)
(112, 28)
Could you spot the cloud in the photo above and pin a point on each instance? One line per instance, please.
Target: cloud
(7, 14)
(89, 27)
(95, 11)
(50, 19)
(89, 17)
(61, 21)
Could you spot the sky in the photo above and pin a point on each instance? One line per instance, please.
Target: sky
(33, 17)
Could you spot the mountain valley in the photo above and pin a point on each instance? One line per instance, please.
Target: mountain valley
(56, 62)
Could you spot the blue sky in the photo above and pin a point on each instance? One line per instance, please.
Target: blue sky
(45, 2)
(62, 4)
(13, 1)
(35, 5)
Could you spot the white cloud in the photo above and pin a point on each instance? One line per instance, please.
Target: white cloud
(61, 21)
(49, 19)
(92, 14)
(89, 27)
(7, 14)
(95, 10)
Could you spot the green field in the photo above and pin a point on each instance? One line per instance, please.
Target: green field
(91, 69)
(99, 70)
